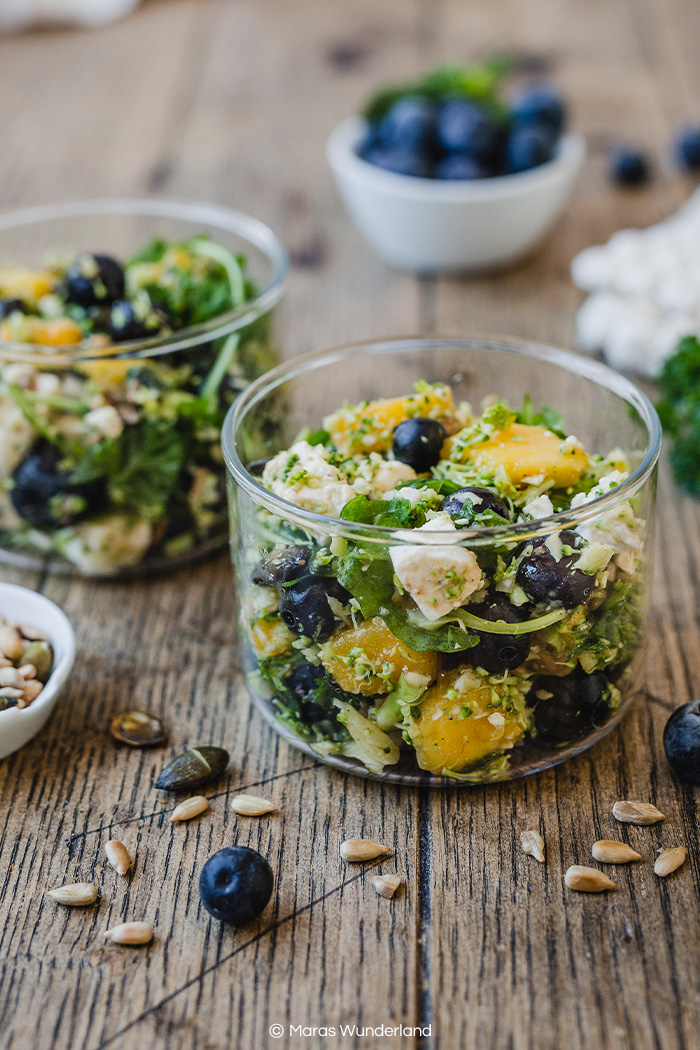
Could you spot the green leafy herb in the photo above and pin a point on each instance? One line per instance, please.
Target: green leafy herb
(480, 83)
(546, 417)
(369, 576)
(419, 634)
(679, 411)
(442, 486)
(394, 514)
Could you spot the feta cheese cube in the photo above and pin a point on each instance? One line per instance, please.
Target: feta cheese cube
(439, 578)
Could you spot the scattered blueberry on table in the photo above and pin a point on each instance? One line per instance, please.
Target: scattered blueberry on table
(682, 742)
(629, 166)
(235, 885)
(687, 149)
(452, 124)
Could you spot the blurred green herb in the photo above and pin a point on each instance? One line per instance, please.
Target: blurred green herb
(679, 411)
(479, 82)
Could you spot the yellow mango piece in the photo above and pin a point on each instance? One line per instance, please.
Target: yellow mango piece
(109, 372)
(369, 658)
(368, 427)
(17, 282)
(446, 737)
(271, 637)
(61, 331)
(530, 455)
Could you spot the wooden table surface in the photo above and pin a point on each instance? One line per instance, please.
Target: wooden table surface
(232, 101)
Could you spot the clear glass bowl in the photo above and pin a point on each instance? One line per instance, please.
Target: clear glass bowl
(600, 407)
(47, 391)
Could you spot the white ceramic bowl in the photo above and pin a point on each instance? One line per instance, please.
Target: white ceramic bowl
(23, 606)
(429, 226)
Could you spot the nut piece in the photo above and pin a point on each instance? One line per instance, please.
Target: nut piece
(251, 805)
(118, 856)
(359, 850)
(607, 851)
(130, 933)
(191, 807)
(532, 843)
(31, 691)
(386, 885)
(636, 813)
(76, 895)
(669, 860)
(11, 645)
(587, 880)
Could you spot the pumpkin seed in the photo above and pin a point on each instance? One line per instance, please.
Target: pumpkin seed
(40, 654)
(138, 729)
(130, 933)
(197, 766)
(76, 895)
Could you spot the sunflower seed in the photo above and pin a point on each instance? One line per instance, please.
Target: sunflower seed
(32, 634)
(130, 933)
(358, 850)
(118, 856)
(587, 880)
(10, 676)
(609, 852)
(252, 806)
(191, 807)
(669, 860)
(76, 895)
(11, 645)
(138, 729)
(27, 671)
(386, 885)
(533, 844)
(197, 766)
(642, 813)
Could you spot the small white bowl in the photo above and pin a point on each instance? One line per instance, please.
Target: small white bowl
(20, 605)
(431, 226)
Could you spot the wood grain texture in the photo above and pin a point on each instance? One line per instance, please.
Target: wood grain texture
(232, 101)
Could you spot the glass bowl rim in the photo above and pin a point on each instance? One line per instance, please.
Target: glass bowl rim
(565, 359)
(215, 215)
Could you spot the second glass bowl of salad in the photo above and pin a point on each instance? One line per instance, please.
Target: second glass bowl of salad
(442, 558)
(127, 328)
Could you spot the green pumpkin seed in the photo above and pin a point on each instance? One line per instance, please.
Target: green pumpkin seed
(40, 654)
(197, 766)
(138, 729)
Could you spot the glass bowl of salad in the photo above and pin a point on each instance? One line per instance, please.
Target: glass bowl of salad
(127, 329)
(442, 558)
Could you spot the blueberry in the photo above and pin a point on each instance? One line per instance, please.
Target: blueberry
(257, 466)
(408, 125)
(566, 708)
(464, 127)
(303, 681)
(498, 652)
(399, 160)
(540, 106)
(94, 280)
(546, 578)
(129, 321)
(528, 147)
(478, 500)
(305, 609)
(687, 149)
(282, 566)
(629, 166)
(682, 742)
(418, 442)
(235, 884)
(43, 494)
(458, 167)
(11, 306)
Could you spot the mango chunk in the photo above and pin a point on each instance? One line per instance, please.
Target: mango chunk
(456, 727)
(18, 282)
(531, 455)
(369, 659)
(368, 427)
(271, 637)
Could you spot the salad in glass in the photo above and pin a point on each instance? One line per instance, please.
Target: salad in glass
(115, 376)
(470, 632)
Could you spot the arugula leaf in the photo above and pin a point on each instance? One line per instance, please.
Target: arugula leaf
(369, 576)
(679, 411)
(394, 514)
(546, 417)
(422, 635)
(141, 467)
